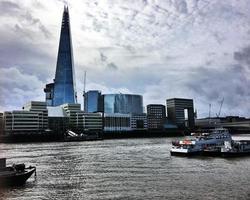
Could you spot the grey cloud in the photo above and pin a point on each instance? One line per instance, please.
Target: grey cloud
(213, 84)
(7, 7)
(112, 66)
(181, 6)
(35, 21)
(103, 57)
(243, 56)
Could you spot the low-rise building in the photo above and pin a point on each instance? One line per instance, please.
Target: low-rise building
(20, 121)
(138, 122)
(1, 124)
(117, 122)
(75, 115)
(41, 108)
(93, 122)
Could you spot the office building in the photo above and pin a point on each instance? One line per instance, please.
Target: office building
(93, 122)
(22, 122)
(58, 121)
(75, 115)
(138, 122)
(32, 119)
(122, 103)
(92, 101)
(156, 115)
(181, 112)
(1, 124)
(115, 122)
(80, 121)
(41, 108)
(62, 90)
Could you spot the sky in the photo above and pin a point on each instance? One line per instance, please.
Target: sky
(197, 49)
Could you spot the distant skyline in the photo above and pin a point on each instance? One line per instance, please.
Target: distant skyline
(160, 49)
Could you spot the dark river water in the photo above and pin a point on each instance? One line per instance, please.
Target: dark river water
(124, 169)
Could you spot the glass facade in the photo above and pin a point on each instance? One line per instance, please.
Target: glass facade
(64, 83)
(92, 101)
(123, 103)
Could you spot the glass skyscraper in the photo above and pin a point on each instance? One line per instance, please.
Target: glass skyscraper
(123, 103)
(92, 101)
(63, 89)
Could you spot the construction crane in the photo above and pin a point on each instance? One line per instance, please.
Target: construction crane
(221, 103)
(84, 87)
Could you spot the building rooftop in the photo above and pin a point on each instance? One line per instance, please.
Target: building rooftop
(56, 111)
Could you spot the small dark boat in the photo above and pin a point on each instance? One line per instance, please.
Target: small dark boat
(237, 148)
(15, 175)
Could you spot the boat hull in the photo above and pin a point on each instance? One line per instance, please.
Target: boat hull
(16, 179)
(234, 154)
(185, 154)
(211, 153)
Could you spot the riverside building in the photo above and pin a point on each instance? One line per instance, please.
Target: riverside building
(116, 122)
(122, 103)
(92, 101)
(156, 115)
(1, 123)
(181, 112)
(32, 119)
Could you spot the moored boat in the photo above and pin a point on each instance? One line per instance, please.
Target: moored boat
(14, 175)
(191, 147)
(236, 148)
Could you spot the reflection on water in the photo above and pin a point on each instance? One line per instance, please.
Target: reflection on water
(124, 169)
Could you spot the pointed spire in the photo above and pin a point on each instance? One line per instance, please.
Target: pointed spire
(64, 84)
(66, 7)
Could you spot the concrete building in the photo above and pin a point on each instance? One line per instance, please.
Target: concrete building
(58, 121)
(181, 112)
(80, 121)
(156, 115)
(32, 119)
(93, 122)
(1, 124)
(75, 115)
(116, 122)
(22, 122)
(41, 108)
(138, 121)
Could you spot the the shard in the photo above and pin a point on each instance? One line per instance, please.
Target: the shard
(63, 89)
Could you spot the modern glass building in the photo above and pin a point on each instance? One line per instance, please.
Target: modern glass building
(63, 89)
(92, 101)
(122, 103)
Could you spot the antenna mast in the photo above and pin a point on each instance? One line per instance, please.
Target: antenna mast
(209, 115)
(84, 86)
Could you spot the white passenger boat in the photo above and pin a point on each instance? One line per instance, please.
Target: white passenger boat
(196, 146)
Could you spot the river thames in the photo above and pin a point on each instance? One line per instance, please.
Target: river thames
(124, 169)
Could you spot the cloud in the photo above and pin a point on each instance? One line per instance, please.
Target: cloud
(8, 7)
(112, 66)
(243, 56)
(17, 88)
(160, 49)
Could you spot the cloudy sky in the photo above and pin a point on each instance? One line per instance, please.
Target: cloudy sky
(197, 49)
